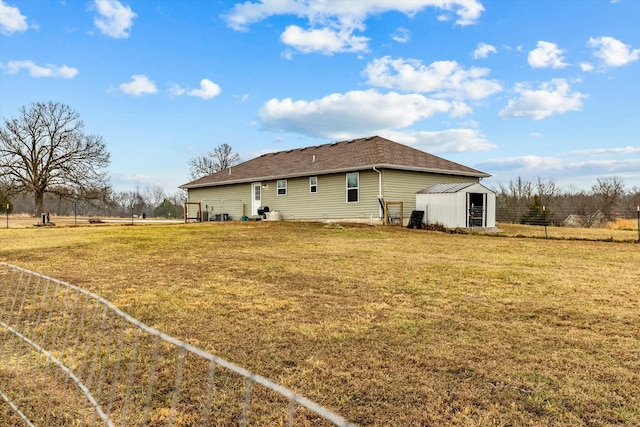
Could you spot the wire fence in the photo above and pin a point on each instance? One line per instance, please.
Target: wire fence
(69, 357)
(567, 215)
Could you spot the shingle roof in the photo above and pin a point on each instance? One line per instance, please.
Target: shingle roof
(357, 154)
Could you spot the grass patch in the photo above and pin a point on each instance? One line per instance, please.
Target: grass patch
(384, 325)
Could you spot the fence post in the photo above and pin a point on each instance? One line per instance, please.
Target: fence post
(638, 210)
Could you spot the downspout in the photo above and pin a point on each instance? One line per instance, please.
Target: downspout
(380, 198)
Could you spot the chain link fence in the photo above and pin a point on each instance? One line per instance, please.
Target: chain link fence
(69, 357)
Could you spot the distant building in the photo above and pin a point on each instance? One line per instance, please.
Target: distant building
(596, 220)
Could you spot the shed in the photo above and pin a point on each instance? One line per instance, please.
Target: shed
(458, 205)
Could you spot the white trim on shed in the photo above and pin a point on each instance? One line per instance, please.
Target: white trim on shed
(458, 205)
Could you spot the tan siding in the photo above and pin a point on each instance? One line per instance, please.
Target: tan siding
(224, 199)
(330, 202)
(402, 186)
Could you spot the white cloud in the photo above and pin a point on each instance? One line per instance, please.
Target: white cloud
(447, 79)
(586, 67)
(139, 85)
(554, 97)
(612, 52)
(207, 90)
(460, 109)
(605, 167)
(573, 168)
(546, 55)
(351, 114)
(445, 141)
(176, 89)
(11, 20)
(607, 151)
(332, 23)
(483, 50)
(325, 40)
(250, 12)
(38, 71)
(532, 162)
(114, 20)
(242, 98)
(401, 35)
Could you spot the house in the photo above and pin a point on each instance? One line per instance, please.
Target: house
(340, 181)
(595, 220)
(458, 205)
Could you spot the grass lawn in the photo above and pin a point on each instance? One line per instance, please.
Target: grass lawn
(383, 325)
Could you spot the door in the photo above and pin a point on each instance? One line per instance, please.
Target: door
(256, 197)
(475, 208)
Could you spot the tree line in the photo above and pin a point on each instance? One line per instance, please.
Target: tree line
(47, 161)
(151, 201)
(542, 202)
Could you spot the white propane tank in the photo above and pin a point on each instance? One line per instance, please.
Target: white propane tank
(275, 216)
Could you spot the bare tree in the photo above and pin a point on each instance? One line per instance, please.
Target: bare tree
(5, 193)
(222, 157)
(513, 199)
(45, 149)
(153, 196)
(609, 192)
(547, 189)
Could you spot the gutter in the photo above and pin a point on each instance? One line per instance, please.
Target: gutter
(379, 182)
(380, 197)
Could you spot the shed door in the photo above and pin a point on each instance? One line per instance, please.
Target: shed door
(256, 197)
(476, 212)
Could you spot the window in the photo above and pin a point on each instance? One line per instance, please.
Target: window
(313, 184)
(282, 187)
(353, 187)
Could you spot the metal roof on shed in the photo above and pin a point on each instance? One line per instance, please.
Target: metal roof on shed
(446, 188)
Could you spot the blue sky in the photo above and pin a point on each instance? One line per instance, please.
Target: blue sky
(531, 88)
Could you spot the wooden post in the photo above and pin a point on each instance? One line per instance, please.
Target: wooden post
(386, 212)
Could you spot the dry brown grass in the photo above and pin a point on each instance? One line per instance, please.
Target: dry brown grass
(385, 326)
(28, 221)
(620, 231)
(623, 224)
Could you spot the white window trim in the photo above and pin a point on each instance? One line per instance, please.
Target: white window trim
(278, 188)
(356, 188)
(311, 185)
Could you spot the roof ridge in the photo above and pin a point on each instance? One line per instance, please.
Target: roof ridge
(338, 156)
(326, 144)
